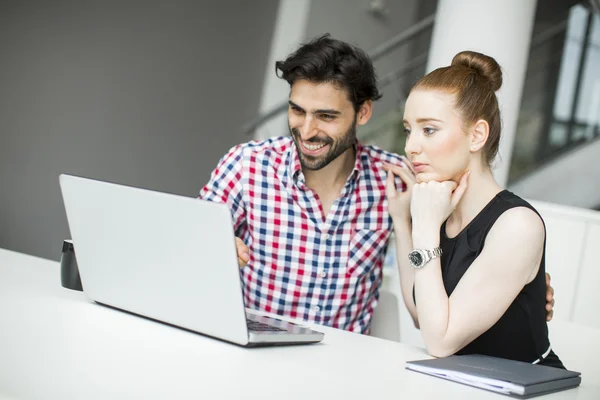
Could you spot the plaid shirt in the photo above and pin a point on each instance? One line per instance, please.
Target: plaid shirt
(323, 269)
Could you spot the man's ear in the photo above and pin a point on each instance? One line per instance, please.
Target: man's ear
(364, 112)
(480, 133)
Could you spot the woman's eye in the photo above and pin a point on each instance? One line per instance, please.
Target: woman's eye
(429, 131)
(406, 131)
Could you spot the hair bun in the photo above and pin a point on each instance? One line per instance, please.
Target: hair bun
(485, 66)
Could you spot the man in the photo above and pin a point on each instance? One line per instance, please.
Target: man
(310, 209)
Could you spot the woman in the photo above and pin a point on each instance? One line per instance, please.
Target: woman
(471, 255)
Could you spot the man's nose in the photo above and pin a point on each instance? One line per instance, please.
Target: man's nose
(308, 129)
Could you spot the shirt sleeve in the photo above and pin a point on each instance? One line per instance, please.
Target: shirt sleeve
(226, 186)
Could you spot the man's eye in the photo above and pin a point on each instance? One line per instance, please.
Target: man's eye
(327, 117)
(296, 110)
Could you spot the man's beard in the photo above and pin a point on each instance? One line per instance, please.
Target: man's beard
(336, 148)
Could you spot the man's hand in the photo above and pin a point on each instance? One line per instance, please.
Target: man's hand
(549, 299)
(243, 252)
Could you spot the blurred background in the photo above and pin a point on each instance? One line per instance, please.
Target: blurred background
(153, 93)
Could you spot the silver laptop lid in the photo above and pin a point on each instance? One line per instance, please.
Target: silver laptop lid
(146, 252)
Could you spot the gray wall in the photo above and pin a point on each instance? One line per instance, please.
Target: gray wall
(145, 93)
(352, 21)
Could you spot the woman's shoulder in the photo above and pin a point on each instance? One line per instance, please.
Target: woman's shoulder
(517, 207)
(511, 200)
(520, 222)
(505, 207)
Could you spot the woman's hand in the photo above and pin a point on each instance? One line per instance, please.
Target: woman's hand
(399, 202)
(432, 203)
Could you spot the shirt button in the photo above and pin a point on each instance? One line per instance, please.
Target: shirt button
(316, 308)
(323, 274)
(326, 236)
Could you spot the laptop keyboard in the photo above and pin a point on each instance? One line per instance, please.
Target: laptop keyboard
(260, 327)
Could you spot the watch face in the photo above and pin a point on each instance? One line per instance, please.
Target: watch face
(416, 258)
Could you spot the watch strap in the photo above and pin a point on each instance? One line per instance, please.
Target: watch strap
(434, 253)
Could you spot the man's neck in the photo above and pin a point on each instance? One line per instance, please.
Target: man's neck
(334, 175)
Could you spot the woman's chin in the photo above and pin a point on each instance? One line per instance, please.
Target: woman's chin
(424, 177)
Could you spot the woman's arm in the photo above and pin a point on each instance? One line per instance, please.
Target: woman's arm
(404, 245)
(510, 259)
(399, 209)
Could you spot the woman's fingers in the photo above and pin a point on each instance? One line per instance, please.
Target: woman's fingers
(405, 174)
(390, 186)
(460, 190)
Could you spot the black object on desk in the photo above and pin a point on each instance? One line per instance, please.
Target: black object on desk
(69, 272)
(513, 378)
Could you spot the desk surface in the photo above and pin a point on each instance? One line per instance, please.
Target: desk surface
(57, 344)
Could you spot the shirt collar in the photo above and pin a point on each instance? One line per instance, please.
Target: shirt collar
(295, 166)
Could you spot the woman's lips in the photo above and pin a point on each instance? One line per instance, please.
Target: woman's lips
(419, 167)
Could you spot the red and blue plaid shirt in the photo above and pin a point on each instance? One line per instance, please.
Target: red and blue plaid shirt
(323, 269)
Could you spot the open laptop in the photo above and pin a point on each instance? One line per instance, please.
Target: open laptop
(166, 257)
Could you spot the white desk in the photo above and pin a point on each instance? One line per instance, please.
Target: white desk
(56, 344)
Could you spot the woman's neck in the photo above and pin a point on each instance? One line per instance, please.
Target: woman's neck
(481, 189)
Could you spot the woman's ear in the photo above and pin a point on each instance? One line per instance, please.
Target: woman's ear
(480, 133)
(364, 112)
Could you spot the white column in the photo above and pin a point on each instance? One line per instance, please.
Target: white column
(289, 33)
(498, 28)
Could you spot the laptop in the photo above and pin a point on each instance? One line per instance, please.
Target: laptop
(166, 257)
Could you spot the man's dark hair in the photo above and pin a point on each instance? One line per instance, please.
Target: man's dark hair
(327, 60)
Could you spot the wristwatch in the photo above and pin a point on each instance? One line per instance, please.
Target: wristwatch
(418, 258)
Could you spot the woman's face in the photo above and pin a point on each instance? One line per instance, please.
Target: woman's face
(435, 140)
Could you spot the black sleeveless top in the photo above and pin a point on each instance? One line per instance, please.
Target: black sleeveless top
(522, 332)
